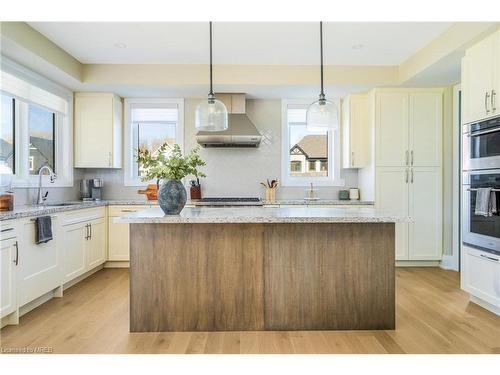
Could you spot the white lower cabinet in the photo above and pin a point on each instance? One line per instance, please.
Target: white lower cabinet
(425, 211)
(73, 250)
(392, 197)
(480, 275)
(84, 239)
(118, 233)
(95, 247)
(9, 255)
(414, 193)
(40, 265)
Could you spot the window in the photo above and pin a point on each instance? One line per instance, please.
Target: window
(308, 156)
(295, 166)
(36, 127)
(312, 168)
(148, 124)
(7, 154)
(41, 128)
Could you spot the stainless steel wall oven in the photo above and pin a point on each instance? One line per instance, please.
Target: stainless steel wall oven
(481, 231)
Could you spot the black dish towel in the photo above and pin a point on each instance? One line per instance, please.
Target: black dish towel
(43, 229)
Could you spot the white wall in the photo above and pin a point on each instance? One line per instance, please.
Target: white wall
(232, 172)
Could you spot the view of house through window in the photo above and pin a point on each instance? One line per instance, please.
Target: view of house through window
(151, 127)
(308, 150)
(41, 129)
(7, 154)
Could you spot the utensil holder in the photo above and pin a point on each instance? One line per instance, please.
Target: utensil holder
(270, 194)
(195, 192)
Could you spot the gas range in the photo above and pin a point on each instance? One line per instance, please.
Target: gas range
(217, 202)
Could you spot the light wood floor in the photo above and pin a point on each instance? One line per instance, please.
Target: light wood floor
(433, 316)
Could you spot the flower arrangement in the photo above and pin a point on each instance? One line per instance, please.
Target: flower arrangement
(172, 167)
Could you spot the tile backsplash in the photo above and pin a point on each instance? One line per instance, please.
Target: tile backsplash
(232, 172)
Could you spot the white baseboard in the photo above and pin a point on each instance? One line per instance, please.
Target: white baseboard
(486, 305)
(76, 280)
(117, 264)
(449, 262)
(39, 301)
(417, 263)
(11, 319)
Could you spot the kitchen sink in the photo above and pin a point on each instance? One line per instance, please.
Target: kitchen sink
(61, 204)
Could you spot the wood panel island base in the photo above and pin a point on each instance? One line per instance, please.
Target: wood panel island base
(244, 274)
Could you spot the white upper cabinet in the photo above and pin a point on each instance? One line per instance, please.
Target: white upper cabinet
(425, 126)
(481, 80)
(409, 128)
(355, 128)
(98, 130)
(391, 122)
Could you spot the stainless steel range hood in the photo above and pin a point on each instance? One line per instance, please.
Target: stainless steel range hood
(241, 133)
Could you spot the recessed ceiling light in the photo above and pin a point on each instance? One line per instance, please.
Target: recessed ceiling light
(120, 45)
(357, 46)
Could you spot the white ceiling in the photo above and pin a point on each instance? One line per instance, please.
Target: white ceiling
(285, 43)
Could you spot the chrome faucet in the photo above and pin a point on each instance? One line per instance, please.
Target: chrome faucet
(41, 199)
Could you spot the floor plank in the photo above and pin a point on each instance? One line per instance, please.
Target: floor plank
(432, 316)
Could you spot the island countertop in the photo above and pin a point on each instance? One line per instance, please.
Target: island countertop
(231, 215)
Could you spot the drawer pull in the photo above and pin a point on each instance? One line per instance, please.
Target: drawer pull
(6, 230)
(128, 210)
(490, 258)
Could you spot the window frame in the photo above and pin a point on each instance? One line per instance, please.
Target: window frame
(129, 179)
(333, 178)
(63, 132)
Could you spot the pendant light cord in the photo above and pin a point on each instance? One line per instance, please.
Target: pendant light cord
(322, 94)
(211, 93)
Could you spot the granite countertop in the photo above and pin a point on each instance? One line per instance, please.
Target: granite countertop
(310, 202)
(20, 212)
(262, 215)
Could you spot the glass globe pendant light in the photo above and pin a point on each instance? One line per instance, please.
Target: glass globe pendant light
(322, 114)
(211, 114)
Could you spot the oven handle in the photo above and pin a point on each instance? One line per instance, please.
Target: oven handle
(476, 190)
(490, 258)
(475, 134)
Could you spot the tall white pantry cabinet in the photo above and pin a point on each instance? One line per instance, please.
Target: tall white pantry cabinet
(406, 174)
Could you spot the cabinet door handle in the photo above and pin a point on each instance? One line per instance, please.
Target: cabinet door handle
(109, 159)
(86, 231)
(493, 95)
(490, 258)
(16, 261)
(90, 228)
(411, 175)
(411, 157)
(406, 157)
(486, 97)
(352, 159)
(406, 175)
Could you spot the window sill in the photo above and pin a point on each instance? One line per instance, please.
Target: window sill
(307, 182)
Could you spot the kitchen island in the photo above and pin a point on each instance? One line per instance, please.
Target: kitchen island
(258, 268)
